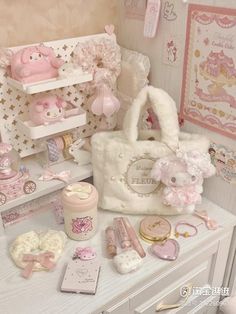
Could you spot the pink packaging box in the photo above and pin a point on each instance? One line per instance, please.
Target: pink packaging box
(81, 276)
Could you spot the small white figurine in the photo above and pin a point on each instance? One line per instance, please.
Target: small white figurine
(82, 157)
(69, 69)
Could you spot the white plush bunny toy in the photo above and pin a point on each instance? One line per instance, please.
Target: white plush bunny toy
(82, 157)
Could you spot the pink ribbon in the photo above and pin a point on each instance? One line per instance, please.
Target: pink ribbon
(50, 175)
(210, 223)
(43, 259)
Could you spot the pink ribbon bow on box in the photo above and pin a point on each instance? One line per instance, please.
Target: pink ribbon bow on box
(50, 175)
(43, 259)
(210, 223)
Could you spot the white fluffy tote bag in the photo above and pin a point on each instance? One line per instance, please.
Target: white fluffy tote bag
(122, 160)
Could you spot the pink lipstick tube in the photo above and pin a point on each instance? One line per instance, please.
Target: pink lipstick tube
(122, 233)
(111, 241)
(134, 238)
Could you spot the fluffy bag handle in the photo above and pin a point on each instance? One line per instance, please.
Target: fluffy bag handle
(165, 109)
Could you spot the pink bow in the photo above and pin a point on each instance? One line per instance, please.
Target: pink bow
(43, 259)
(50, 175)
(210, 223)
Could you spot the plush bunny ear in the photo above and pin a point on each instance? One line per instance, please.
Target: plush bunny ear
(208, 171)
(78, 143)
(5, 57)
(61, 103)
(46, 51)
(39, 107)
(157, 170)
(27, 53)
(202, 161)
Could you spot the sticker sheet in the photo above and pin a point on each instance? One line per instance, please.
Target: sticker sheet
(224, 159)
(209, 79)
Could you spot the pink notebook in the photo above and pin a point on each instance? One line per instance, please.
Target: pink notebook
(81, 276)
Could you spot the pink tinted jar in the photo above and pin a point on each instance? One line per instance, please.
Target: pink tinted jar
(80, 210)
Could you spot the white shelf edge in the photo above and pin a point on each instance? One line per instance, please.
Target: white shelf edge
(38, 87)
(41, 131)
(78, 173)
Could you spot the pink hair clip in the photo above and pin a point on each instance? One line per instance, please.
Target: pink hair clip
(85, 254)
(210, 223)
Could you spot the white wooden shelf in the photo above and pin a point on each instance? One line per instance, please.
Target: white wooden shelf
(36, 132)
(42, 86)
(78, 173)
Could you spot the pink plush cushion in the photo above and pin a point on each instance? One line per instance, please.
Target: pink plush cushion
(35, 63)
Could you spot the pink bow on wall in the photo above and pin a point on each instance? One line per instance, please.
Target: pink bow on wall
(43, 259)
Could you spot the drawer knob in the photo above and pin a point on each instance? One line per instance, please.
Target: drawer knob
(185, 292)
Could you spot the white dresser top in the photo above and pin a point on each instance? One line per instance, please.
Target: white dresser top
(41, 293)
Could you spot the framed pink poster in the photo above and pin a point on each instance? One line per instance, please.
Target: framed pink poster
(209, 79)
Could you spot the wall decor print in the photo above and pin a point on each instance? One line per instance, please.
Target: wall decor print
(171, 52)
(209, 78)
(224, 159)
(135, 9)
(169, 11)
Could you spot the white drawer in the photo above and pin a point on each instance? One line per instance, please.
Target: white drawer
(197, 266)
(171, 295)
(119, 308)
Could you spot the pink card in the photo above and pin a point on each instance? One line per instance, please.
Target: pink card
(81, 276)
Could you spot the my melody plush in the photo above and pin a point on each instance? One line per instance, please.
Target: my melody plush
(35, 63)
(183, 176)
(47, 110)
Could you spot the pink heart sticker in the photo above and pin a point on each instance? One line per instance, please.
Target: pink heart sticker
(168, 250)
(109, 29)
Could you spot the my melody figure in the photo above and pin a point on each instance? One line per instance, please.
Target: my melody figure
(13, 182)
(47, 109)
(183, 176)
